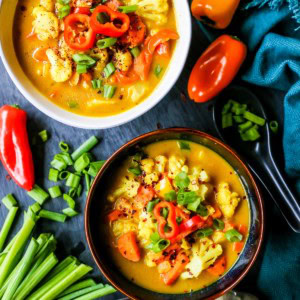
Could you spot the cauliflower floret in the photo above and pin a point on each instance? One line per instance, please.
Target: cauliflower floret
(204, 254)
(150, 258)
(160, 163)
(61, 69)
(122, 226)
(83, 3)
(146, 227)
(122, 60)
(227, 200)
(45, 23)
(204, 176)
(153, 10)
(128, 187)
(64, 50)
(147, 165)
(218, 237)
(48, 4)
(151, 178)
(176, 164)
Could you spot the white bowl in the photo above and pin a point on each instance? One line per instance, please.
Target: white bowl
(30, 92)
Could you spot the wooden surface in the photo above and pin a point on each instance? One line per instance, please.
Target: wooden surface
(174, 110)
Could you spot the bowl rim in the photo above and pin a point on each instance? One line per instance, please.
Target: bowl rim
(90, 122)
(162, 131)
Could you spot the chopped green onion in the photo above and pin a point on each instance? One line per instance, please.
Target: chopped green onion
(165, 212)
(63, 175)
(64, 11)
(204, 232)
(53, 175)
(218, 224)
(38, 194)
(109, 69)
(66, 157)
(59, 163)
(64, 2)
(7, 225)
(160, 245)
(238, 119)
(54, 191)
(43, 135)
(226, 108)
(135, 171)
(170, 196)
(103, 17)
(85, 147)
(83, 59)
(240, 110)
(226, 120)
(135, 51)
(254, 118)
(72, 192)
(95, 167)
(9, 201)
(81, 69)
(184, 198)
(81, 292)
(251, 134)
(274, 126)
(79, 190)
(64, 147)
(154, 237)
(183, 145)
(69, 200)
(51, 215)
(73, 180)
(233, 235)
(198, 208)
(87, 182)
(158, 69)
(182, 180)
(82, 162)
(128, 9)
(97, 293)
(35, 207)
(70, 212)
(245, 126)
(105, 43)
(109, 91)
(151, 205)
(96, 84)
(78, 286)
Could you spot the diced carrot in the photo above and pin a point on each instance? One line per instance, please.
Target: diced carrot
(145, 194)
(238, 246)
(164, 267)
(218, 268)
(86, 77)
(128, 247)
(181, 261)
(165, 256)
(113, 4)
(217, 214)
(40, 55)
(243, 229)
(114, 215)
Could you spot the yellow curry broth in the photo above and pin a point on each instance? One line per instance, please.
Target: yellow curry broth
(79, 99)
(219, 171)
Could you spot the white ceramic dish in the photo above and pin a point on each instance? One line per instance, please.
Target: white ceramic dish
(31, 93)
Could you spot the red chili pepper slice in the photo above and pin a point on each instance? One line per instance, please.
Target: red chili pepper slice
(78, 33)
(191, 224)
(162, 222)
(83, 10)
(15, 152)
(109, 22)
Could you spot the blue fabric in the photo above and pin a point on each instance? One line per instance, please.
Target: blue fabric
(271, 36)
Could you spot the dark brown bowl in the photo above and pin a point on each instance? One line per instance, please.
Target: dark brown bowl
(95, 200)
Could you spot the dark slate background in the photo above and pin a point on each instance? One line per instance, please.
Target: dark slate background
(174, 110)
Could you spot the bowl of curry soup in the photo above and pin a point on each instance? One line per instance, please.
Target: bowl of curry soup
(174, 213)
(94, 64)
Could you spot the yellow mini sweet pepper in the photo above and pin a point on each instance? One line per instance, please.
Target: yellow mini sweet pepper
(215, 13)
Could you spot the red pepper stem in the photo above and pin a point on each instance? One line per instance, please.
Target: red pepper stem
(15, 106)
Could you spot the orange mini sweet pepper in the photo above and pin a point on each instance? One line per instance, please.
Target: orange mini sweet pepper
(215, 13)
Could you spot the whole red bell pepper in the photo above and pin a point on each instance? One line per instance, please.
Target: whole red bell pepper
(170, 221)
(15, 152)
(216, 68)
(109, 22)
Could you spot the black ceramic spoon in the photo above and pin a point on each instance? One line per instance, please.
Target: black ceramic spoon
(258, 154)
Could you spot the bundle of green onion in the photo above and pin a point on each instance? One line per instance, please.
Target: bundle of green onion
(35, 273)
(247, 123)
(70, 168)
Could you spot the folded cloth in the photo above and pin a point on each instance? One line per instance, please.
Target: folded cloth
(271, 35)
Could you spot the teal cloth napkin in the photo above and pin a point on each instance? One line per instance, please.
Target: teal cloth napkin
(274, 48)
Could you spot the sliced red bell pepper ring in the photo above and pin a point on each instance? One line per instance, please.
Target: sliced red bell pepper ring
(83, 10)
(78, 33)
(170, 221)
(109, 22)
(15, 152)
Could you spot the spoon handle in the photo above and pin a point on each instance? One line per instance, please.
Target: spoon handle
(273, 181)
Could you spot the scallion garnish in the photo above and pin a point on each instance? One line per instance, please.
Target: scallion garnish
(151, 205)
(53, 175)
(43, 135)
(54, 191)
(69, 200)
(64, 11)
(274, 126)
(85, 147)
(135, 170)
(64, 147)
(70, 212)
(109, 70)
(73, 180)
(254, 118)
(96, 84)
(9, 201)
(135, 51)
(204, 232)
(35, 207)
(158, 69)
(170, 196)
(82, 162)
(63, 175)
(128, 9)
(83, 59)
(218, 224)
(182, 180)
(87, 182)
(109, 91)
(7, 225)
(51, 215)
(81, 69)
(79, 190)
(183, 145)
(95, 167)
(105, 43)
(233, 235)
(226, 120)
(59, 163)
(38, 194)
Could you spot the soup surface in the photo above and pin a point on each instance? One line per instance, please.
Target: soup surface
(94, 58)
(177, 217)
